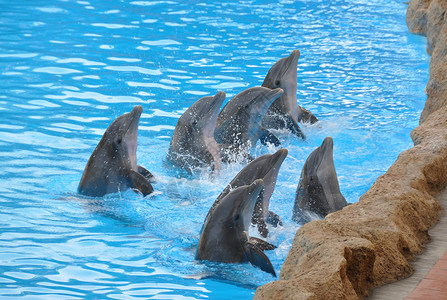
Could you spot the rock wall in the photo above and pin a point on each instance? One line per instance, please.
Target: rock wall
(370, 243)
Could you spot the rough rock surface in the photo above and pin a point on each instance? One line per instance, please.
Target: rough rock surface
(369, 243)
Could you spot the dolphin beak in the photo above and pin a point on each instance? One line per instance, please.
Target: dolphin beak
(134, 118)
(130, 132)
(292, 62)
(253, 192)
(328, 144)
(273, 94)
(136, 111)
(278, 158)
(213, 112)
(263, 102)
(216, 104)
(294, 56)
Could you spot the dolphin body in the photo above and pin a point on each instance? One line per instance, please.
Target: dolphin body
(193, 144)
(113, 165)
(285, 112)
(318, 191)
(238, 126)
(225, 233)
(265, 167)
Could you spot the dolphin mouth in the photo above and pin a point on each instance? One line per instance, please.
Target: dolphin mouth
(325, 151)
(263, 103)
(216, 104)
(292, 62)
(327, 145)
(133, 120)
(247, 204)
(279, 157)
(213, 114)
(275, 163)
(272, 95)
(134, 116)
(130, 134)
(252, 194)
(210, 127)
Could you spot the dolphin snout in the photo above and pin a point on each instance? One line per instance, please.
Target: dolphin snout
(279, 156)
(275, 93)
(295, 54)
(328, 144)
(137, 110)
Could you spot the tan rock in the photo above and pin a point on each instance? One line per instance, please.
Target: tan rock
(417, 16)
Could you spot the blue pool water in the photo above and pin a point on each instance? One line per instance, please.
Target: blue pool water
(68, 68)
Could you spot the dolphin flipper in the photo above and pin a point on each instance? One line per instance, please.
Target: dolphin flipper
(140, 183)
(305, 115)
(261, 244)
(293, 126)
(258, 259)
(273, 219)
(148, 175)
(268, 137)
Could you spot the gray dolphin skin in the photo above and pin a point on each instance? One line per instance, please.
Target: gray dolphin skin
(265, 167)
(193, 144)
(285, 112)
(318, 191)
(113, 165)
(239, 126)
(225, 233)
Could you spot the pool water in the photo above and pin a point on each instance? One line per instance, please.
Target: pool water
(69, 68)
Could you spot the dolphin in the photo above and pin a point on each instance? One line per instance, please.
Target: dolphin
(285, 112)
(225, 233)
(265, 167)
(193, 144)
(318, 191)
(239, 126)
(113, 165)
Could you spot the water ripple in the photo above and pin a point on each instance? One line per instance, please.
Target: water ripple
(165, 42)
(56, 70)
(95, 96)
(134, 69)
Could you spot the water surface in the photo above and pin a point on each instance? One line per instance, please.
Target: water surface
(69, 68)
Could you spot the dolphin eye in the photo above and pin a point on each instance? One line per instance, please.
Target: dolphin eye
(277, 82)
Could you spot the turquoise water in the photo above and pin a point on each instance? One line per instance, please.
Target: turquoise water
(68, 68)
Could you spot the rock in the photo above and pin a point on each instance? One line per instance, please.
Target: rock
(370, 243)
(417, 16)
(427, 17)
(339, 258)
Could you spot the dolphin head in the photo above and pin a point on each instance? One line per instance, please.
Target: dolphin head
(327, 176)
(235, 209)
(257, 108)
(318, 190)
(283, 74)
(321, 157)
(123, 134)
(226, 227)
(194, 133)
(202, 115)
(260, 100)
